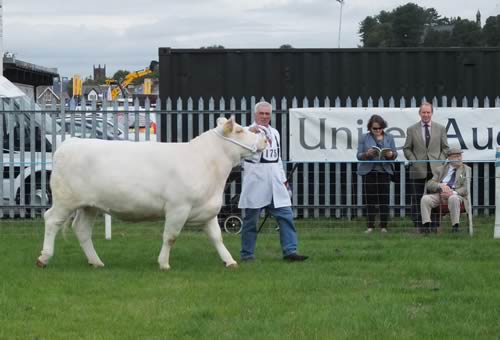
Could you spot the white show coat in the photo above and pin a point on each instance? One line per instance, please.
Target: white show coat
(264, 178)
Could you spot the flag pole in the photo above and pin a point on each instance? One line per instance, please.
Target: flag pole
(340, 20)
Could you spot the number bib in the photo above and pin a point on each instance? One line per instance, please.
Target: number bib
(271, 153)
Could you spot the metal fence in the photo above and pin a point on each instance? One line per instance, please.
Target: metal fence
(323, 189)
(29, 136)
(30, 133)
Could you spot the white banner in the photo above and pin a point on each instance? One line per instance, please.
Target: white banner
(332, 134)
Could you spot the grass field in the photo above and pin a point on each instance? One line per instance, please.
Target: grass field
(398, 285)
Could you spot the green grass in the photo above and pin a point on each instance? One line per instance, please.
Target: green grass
(399, 285)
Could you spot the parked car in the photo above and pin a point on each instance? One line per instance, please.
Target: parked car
(26, 150)
(93, 127)
(28, 137)
(132, 120)
(142, 132)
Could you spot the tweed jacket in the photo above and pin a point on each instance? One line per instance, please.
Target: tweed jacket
(415, 149)
(462, 181)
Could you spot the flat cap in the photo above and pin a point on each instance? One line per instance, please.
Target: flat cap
(454, 151)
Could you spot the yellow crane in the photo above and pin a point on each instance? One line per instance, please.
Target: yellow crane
(121, 86)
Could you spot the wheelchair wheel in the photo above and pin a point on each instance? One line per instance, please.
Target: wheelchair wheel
(232, 224)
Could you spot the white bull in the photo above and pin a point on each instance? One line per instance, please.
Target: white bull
(180, 182)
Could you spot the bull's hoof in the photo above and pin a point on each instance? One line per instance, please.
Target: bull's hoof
(164, 268)
(231, 265)
(40, 264)
(96, 265)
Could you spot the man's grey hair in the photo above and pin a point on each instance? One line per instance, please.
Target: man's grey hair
(426, 104)
(259, 104)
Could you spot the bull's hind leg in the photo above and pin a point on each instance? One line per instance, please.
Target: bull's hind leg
(214, 234)
(82, 225)
(54, 218)
(173, 226)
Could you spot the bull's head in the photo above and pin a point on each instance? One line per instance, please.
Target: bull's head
(243, 137)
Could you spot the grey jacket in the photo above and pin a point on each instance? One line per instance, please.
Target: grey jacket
(366, 143)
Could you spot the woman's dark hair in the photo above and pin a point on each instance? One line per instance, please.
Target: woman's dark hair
(376, 119)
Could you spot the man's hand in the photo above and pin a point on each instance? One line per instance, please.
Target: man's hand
(445, 188)
(445, 195)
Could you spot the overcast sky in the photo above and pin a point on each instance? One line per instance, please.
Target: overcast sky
(72, 36)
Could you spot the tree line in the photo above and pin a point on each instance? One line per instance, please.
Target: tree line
(413, 26)
(405, 26)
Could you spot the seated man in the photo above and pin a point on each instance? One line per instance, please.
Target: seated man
(449, 184)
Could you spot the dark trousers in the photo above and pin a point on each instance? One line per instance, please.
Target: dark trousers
(377, 195)
(417, 191)
(417, 188)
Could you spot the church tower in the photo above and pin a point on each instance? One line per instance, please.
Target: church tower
(100, 73)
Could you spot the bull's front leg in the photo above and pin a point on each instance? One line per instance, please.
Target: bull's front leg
(214, 234)
(173, 226)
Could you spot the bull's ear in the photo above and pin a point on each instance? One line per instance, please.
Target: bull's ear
(229, 126)
(221, 120)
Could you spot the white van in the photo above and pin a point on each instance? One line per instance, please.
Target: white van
(27, 156)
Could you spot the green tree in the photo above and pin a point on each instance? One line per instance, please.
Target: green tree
(367, 28)
(120, 75)
(434, 38)
(90, 81)
(155, 74)
(286, 46)
(466, 33)
(381, 36)
(385, 17)
(401, 27)
(491, 31)
(432, 16)
(376, 31)
(408, 25)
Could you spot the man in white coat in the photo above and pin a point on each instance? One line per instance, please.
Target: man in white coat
(265, 186)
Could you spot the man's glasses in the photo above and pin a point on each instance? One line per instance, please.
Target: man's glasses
(376, 128)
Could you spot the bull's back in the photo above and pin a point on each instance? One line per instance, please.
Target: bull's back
(126, 178)
(88, 157)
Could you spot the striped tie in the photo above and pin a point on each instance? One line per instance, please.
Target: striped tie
(451, 181)
(427, 135)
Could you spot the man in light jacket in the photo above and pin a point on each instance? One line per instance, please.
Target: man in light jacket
(265, 186)
(426, 141)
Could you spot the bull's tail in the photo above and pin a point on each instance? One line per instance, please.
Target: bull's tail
(71, 219)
